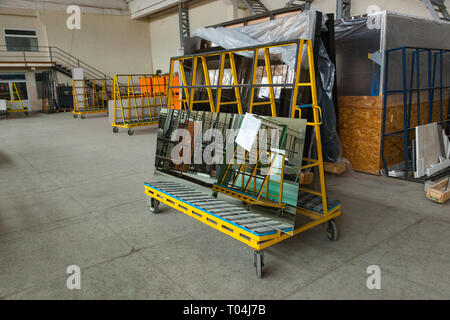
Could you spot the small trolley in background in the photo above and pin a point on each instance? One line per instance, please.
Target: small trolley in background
(11, 101)
(136, 100)
(90, 96)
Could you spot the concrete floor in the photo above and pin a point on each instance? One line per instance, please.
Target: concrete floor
(71, 192)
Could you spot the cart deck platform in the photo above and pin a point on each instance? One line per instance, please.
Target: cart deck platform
(254, 229)
(134, 124)
(88, 111)
(254, 223)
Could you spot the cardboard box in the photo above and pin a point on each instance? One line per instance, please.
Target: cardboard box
(336, 168)
(306, 177)
(440, 192)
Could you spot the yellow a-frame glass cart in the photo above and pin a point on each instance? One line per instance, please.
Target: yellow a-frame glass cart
(90, 97)
(313, 204)
(15, 97)
(136, 103)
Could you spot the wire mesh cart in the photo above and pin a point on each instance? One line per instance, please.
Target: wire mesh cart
(137, 99)
(90, 97)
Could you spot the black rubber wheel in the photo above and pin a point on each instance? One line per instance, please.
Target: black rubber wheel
(83, 116)
(280, 212)
(258, 262)
(332, 232)
(115, 129)
(130, 132)
(249, 207)
(153, 205)
(214, 194)
(75, 116)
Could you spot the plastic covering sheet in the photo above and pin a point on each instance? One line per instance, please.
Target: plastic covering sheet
(407, 31)
(294, 27)
(355, 39)
(332, 150)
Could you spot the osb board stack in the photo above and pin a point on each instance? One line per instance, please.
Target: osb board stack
(360, 121)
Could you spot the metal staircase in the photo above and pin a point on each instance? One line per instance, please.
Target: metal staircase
(255, 6)
(437, 9)
(304, 4)
(51, 60)
(47, 56)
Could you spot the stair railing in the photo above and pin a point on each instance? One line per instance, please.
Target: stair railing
(51, 55)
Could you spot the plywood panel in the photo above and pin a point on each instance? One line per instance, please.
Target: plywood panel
(360, 121)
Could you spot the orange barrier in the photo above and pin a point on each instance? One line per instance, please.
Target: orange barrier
(176, 103)
(154, 86)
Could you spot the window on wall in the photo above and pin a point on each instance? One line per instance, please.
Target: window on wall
(21, 40)
(5, 93)
(22, 90)
(7, 83)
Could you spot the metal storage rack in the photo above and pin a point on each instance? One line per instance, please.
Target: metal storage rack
(429, 77)
(313, 204)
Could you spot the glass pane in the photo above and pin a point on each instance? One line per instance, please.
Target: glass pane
(12, 76)
(4, 91)
(267, 176)
(20, 32)
(21, 44)
(22, 89)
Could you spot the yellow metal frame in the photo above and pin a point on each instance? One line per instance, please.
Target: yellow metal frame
(263, 196)
(188, 88)
(138, 100)
(252, 240)
(90, 100)
(14, 91)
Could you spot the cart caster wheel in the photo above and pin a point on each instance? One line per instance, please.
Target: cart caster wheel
(280, 212)
(249, 207)
(332, 233)
(214, 194)
(83, 116)
(75, 116)
(153, 204)
(27, 113)
(258, 263)
(115, 129)
(130, 132)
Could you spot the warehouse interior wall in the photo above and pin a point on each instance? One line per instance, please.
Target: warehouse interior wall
(358, 7)
(110, 43)
(165, 32)
(146, 44)
(22, 19)
(164, 29)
